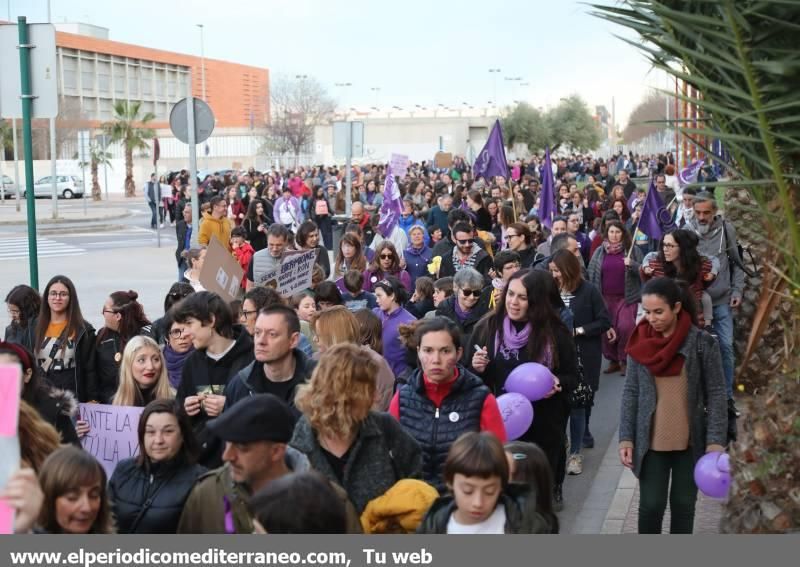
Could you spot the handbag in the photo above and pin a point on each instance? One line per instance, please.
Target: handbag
(582, 396)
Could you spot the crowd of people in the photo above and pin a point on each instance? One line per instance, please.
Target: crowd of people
(368, 402)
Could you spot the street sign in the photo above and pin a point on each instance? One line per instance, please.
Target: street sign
(43, 75)
(352, 132)
(203, 121)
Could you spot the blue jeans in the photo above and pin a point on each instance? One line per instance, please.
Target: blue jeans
(723, 325)
(577, 429)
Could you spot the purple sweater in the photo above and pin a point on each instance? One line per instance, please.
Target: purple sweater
(371, 278)
(613, 274)
(393, 350)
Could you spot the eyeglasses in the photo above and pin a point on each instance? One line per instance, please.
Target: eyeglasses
(59, 294)
(109, 311)
(175, 333)
(386, 256)
(668, 245)
(247, 314)
(177, 295)
(466, 241)
(471, 292)
(511, 235)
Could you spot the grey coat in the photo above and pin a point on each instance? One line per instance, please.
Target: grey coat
(633, 282)
(382, 454)
(708, 413)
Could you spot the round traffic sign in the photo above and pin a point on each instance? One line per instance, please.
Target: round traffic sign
(203, 121)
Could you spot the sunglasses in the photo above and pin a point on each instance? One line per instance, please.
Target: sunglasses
(386, 256)
(466, 241)
(176, 295)
(471, 292)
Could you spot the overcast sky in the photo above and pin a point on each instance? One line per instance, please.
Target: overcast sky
(425, 52)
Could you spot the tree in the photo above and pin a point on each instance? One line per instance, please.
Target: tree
(6, 137)
(526, 125)
(97, 157)
(129, 127)
(742, 57)
(297, 107)
(648, 118)
(571, 124)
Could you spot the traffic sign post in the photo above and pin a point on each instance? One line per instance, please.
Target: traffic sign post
(192, 124)
(348, 141)
(84, 139)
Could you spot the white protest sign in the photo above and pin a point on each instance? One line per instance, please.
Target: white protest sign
(113, 433)
(293, 275)
(399, 165)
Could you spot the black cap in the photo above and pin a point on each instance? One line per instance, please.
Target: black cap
(262, 417)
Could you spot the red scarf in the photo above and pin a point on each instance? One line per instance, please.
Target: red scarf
(657, 352)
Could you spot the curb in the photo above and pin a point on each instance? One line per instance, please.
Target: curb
(56, 222)
(621, 504)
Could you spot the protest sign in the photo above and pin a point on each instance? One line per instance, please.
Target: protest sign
(221, 272)
(10, 381)
(442, 160)
(112, 433)
(399, 165)
(293, 275)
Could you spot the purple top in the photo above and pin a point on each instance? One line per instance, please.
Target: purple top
(393, 350)
(371, 278)
(613, 277)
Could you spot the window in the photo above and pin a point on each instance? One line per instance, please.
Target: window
(70, 74)
(87, 76)
(104, 77)
(119, 79)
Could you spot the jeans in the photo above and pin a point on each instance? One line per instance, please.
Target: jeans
(577, 428)
(654, 486)
(723, 325)
(153, 213)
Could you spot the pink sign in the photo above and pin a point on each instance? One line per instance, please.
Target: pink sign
(10, 381)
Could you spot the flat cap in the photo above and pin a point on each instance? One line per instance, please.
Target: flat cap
(261, 417)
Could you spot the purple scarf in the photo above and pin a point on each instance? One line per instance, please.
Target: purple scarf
(460, 313)
(511, 339)
(175, 361)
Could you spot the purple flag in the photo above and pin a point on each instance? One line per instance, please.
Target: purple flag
(689, 174)
(547, 198)
(656, 219)
(392, 207)
(492, 159)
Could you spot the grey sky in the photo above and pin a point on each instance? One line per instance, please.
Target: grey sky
(422, 52)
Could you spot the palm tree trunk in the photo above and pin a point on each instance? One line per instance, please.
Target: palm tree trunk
(130, 186)
(95, 183)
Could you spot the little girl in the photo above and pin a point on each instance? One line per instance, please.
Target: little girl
(528, 466)
(482, 501)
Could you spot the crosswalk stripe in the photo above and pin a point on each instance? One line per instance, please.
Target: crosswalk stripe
(13, 248)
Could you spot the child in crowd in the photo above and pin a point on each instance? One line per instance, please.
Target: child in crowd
(305, 304)
(442, 289)
(242, 251)
(528, 465)
(422, 300)
(482, 501)
(355, 297)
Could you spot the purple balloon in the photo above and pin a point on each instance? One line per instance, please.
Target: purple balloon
(532, 380)
(712, 474)
(517, 413)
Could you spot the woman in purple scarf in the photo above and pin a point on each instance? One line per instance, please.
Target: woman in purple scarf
(527, 328)
(177, 348)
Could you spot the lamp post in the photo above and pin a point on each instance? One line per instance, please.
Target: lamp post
(203, 83)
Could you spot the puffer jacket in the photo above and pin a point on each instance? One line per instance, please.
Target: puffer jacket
(58, 408)
(520, 508)
(150, 501)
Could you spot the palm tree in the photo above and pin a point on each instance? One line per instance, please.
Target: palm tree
(97, 157)
(129, 127)
(742, 56)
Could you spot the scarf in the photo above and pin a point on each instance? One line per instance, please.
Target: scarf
(175, 361)
(461, 314)
(511, 339)
(612, 248)
(659, 354)
(459, 264)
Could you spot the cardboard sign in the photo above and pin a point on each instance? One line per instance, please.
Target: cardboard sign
(442, 160)
(221, 272)
(399, 165)
(112, 433)
(293, 275)
(10, 383)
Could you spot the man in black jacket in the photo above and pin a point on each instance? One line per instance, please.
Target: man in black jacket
(279, 366)
(183, 232)
(222, 350)
(466, 254)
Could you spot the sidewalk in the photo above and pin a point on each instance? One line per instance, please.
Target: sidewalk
(69, 211)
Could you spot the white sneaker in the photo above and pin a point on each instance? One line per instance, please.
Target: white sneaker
(162, 225)
(575, 464)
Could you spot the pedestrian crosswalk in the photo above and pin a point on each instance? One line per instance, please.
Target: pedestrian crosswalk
(17, 248)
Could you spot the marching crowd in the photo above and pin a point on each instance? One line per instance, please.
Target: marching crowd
(368, 402)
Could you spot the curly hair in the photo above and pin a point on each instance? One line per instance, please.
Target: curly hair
(341, 390)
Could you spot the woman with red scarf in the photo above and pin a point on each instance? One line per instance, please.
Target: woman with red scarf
(674, 406)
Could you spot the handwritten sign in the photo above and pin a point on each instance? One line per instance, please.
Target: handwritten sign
(293, 275)
(112, 433)
(221, 272)
(399, 165)
(10, 381)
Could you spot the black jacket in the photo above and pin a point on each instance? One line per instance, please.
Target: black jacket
(527, 257)
(204, 374)
(324, 261)
(447, 309)
(57, 407)
(25, 336)
(108, 357)
(80, 380)
(483, 262)
(181, 227)
(589, 311)
(483, 220)
(251, 380)
(520, 508)
(150, 501)
(256, 238)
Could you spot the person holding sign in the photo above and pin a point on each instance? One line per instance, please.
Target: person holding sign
(143, 375)
(148, 492)
(75, 497)
(65, 342)
(222, 349)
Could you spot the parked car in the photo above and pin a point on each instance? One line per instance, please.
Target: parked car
(9, 186)
(68, 186)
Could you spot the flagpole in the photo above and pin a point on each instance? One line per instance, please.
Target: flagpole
(633, 236)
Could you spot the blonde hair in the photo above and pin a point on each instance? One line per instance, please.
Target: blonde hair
(336, 325)
(37, 438)
(341, 390)
(128, 393)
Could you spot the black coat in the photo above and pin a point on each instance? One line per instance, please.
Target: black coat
(324, 261)
(108, 357)
(82, 379)
(589, 311)
(156, 497)
(256, 238)
(25, 336)
(447, 309)
(57, 407)
(483, 262)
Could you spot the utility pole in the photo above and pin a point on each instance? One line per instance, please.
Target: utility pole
(203, 79)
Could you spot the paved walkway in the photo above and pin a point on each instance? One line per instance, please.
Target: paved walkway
(69, 211)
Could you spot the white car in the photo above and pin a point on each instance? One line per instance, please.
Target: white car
(68, 186)
(9, 186)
